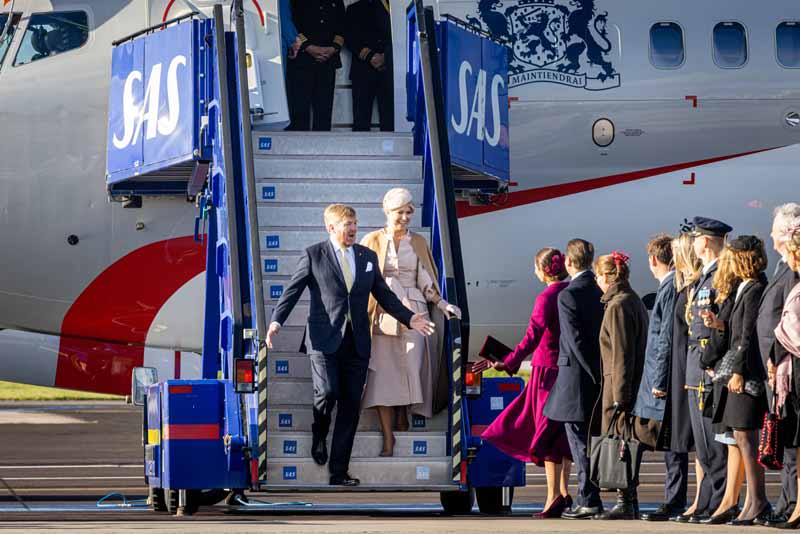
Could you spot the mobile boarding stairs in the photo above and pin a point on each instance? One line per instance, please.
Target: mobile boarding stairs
(246, 424)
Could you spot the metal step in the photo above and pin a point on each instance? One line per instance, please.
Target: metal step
(296, 445)
(310, 215)
(371, 471)
(381, 168)
(298, 317)
(299, 418)
(344, 191)
(330, 143)
(273, 289)
(278, 239)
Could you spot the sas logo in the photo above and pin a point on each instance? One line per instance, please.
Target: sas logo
(145, 117)
(289, 472)
(565, 42)
(275, 292)
(281, 367)
(268, 192)
(273, 241)
(285, 420)
(417, 421)
(471, 111)
(420, 447)
(289, 446)
(270, 265)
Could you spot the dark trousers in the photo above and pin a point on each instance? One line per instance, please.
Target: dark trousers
(713, 458)
(338, 379)
(367, 87)
(310, 88)
(677, 479)
(788, 498)
(587, 493)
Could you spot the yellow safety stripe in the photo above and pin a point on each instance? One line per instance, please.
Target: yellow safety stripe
(153, 436)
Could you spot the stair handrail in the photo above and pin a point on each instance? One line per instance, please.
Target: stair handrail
(447, 221)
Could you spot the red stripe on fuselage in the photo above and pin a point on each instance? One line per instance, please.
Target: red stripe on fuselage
(540, 194)
(104, 331)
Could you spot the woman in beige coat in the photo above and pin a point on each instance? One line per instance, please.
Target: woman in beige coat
(404, 367)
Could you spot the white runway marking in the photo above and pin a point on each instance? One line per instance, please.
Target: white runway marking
(20, 479)
(25, 417)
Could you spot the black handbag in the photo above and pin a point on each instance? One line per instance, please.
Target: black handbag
(724, 371)
(614, 459)
(770, 446)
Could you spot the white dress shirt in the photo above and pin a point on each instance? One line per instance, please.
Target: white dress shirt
(349, 254)
(708, 267)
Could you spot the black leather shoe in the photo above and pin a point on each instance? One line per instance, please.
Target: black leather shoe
(763, 515)
(345, 480)
(319, 451)
(722, 517)
(663, 513)
(582, 512)
(787, 525)
(696, 519)
(681, 518)
(620, 511)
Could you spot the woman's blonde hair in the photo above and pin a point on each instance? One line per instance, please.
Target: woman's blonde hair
(615, 265)
(725, 279)
(687, 265)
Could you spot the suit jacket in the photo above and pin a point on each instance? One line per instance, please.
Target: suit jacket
(658, 353)
(368, 30)
(577, 387)
(677, 429)
(319, 271)
(769, 313)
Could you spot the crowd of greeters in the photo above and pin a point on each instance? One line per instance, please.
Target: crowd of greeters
(701, 372)
(313, 34)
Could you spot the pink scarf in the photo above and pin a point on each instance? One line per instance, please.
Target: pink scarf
(788, 334)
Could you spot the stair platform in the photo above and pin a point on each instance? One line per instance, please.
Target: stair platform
(333, 143)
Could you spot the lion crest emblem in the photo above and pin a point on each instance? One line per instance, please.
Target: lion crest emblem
(555, 41)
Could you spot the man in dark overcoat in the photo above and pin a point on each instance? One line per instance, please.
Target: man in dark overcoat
(772, 352)
(577, 387)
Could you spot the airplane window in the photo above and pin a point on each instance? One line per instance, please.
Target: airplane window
(788, 41)
(8, 36)
(666, 45)
(730, 45)
(49, 34)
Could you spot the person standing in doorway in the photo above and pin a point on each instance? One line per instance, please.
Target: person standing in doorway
(577, 386)
(369, 38)
(311, 75)
(340, 276)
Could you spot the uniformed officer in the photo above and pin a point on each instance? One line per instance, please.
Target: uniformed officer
(709, 241)
(311, 76)
(369, 38)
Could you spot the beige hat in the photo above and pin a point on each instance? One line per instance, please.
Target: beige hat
(397, 198)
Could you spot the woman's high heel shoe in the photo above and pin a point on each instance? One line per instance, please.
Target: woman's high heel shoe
(555, 509)
(787, 525)
(385, 453)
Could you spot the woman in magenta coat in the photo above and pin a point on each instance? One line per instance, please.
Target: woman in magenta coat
(521, 430)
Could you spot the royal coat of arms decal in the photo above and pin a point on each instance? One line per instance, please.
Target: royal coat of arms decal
(555, 41)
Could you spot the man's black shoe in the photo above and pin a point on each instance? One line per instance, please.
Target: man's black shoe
(620, 511)
(662, 513)
(696, 519)
(681, 518)
(345, 480)
(319, 451)
(582, 512)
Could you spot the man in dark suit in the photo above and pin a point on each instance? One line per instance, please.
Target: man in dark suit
(369, 37)
(577, 385)
(311, 75)
(772, 352)
(340, 276)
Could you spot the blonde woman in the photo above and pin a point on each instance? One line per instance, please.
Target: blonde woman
(405, 366)
(687, 271)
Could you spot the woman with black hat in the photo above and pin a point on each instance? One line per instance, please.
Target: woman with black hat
(742, 407)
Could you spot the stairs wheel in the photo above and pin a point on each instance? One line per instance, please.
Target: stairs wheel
(457, 502)
(172, 500)
(490, 500)
(193, 501)
(155, 496)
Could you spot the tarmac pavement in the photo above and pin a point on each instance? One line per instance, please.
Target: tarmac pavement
(58, 459)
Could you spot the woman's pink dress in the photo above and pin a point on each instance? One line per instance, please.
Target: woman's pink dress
(521, 430)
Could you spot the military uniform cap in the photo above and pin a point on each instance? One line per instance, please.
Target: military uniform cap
(712, 227)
